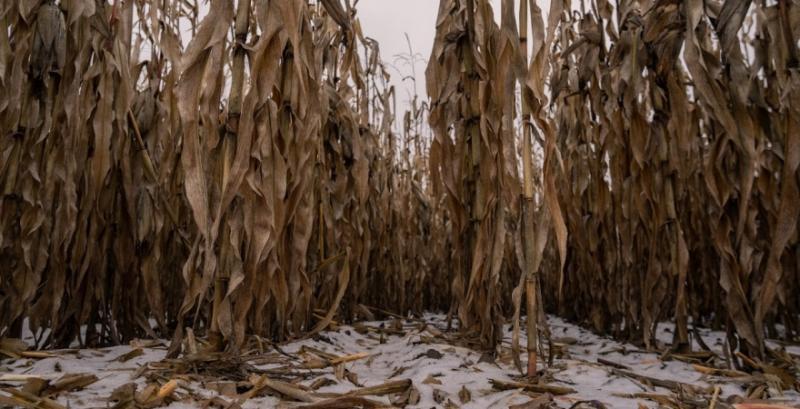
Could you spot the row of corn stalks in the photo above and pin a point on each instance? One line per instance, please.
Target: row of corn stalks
(667, 145)
(231, 168)
(679, 133)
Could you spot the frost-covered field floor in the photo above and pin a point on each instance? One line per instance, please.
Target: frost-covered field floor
(411, 363)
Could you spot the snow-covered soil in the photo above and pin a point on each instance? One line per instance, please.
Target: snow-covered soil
(441, 372)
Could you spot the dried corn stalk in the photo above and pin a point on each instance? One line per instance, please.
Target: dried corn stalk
(468, 157)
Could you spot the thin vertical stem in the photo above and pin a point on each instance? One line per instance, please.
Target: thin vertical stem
(531, 291)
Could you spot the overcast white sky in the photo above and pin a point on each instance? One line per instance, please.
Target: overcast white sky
(387, 21)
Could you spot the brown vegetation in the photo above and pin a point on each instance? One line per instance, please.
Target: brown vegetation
(250, 179)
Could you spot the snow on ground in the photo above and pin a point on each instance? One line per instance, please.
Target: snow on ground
(440, 370)
(99, 362)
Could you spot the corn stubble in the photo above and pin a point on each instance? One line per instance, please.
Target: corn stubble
(251, 179)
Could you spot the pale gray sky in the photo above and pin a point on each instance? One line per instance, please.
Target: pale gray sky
(387, 21)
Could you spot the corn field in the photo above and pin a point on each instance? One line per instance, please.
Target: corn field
(237, 169)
